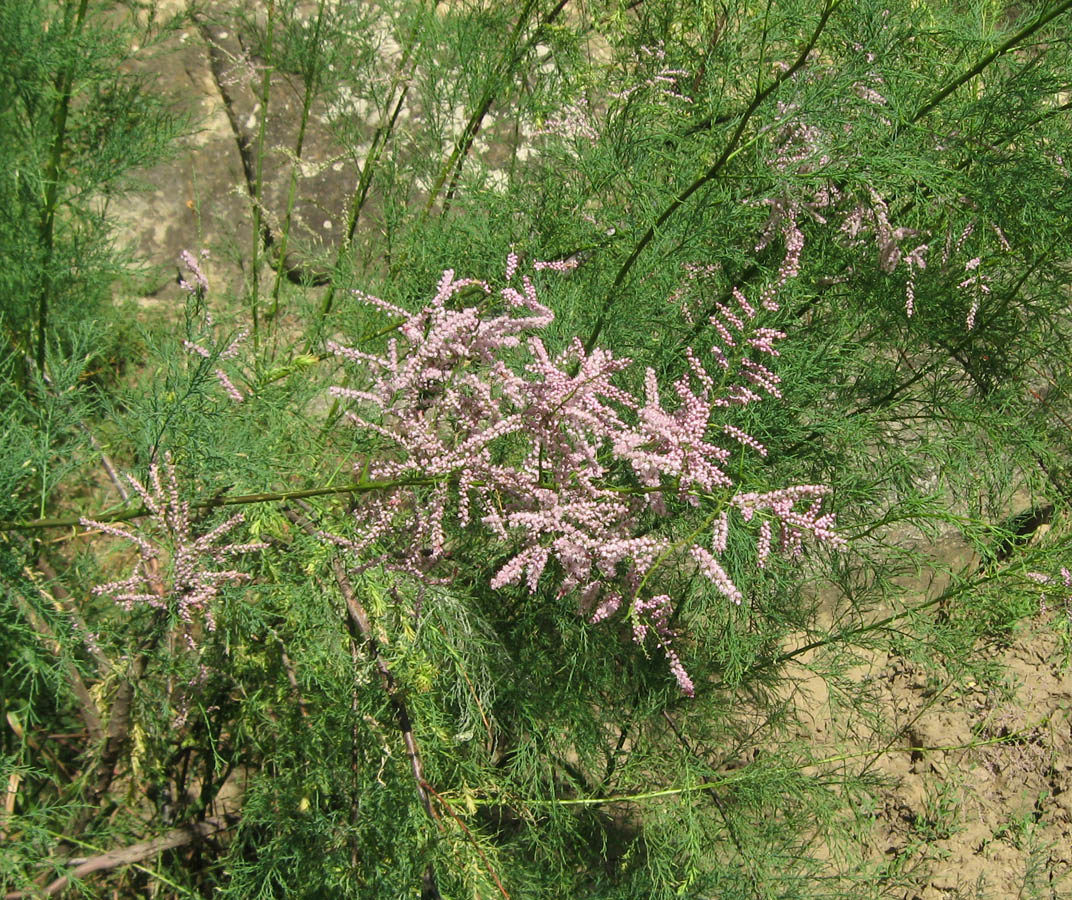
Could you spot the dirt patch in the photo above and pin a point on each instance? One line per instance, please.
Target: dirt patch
(976, 784)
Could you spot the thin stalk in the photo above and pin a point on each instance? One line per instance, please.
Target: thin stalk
(312, 74)
(744, 774)
(707, 523)
(131, 856)
(89, 712)
(362, 634)
(753, 875)
(300, 272)
(849, 634)
(126, 515)
(450, 811)
(362, 486)
(379, 141)
(258, 184)
(893, 393)
(47, 223)
(927, 108)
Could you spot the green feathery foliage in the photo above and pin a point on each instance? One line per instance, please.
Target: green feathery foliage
(342, 693)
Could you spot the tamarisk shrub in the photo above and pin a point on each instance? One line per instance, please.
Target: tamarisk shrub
(762, 263)
(547, 456)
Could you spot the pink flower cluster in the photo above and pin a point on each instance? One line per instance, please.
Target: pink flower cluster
(199, 284)
(191, 584)
(1064, 586)
(199, 288)
(666, 82)
(572, 122)
(797, 149)
(228, 352)
(798, 144)
(552, 459)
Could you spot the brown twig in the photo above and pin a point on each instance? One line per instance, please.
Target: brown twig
(135, 853)
(106, 461)
(117, 734)
(358, 618)
(469, 835)
(288, 667)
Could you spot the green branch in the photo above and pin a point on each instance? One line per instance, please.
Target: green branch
(977, 69)
(743, 774)
(124, 515)
(728, 153)
(47, 225)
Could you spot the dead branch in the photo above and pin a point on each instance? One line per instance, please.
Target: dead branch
(135, 853)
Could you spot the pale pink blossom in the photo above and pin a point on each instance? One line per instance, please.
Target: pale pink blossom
(177, 570)
(199, 285)
(532, 453)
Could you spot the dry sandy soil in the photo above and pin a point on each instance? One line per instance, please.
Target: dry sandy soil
(976, 799)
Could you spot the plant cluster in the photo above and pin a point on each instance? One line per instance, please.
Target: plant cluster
(325, 583)
(586, 461)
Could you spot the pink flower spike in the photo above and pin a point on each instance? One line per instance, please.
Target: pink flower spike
(714, 572)
(558, 265)
(1004, 241)
(764, 546)
(228, 386)
(744, 438)
(606, 608)
(200, 282)
(970, 322)
(720, 533)
(678, 671)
